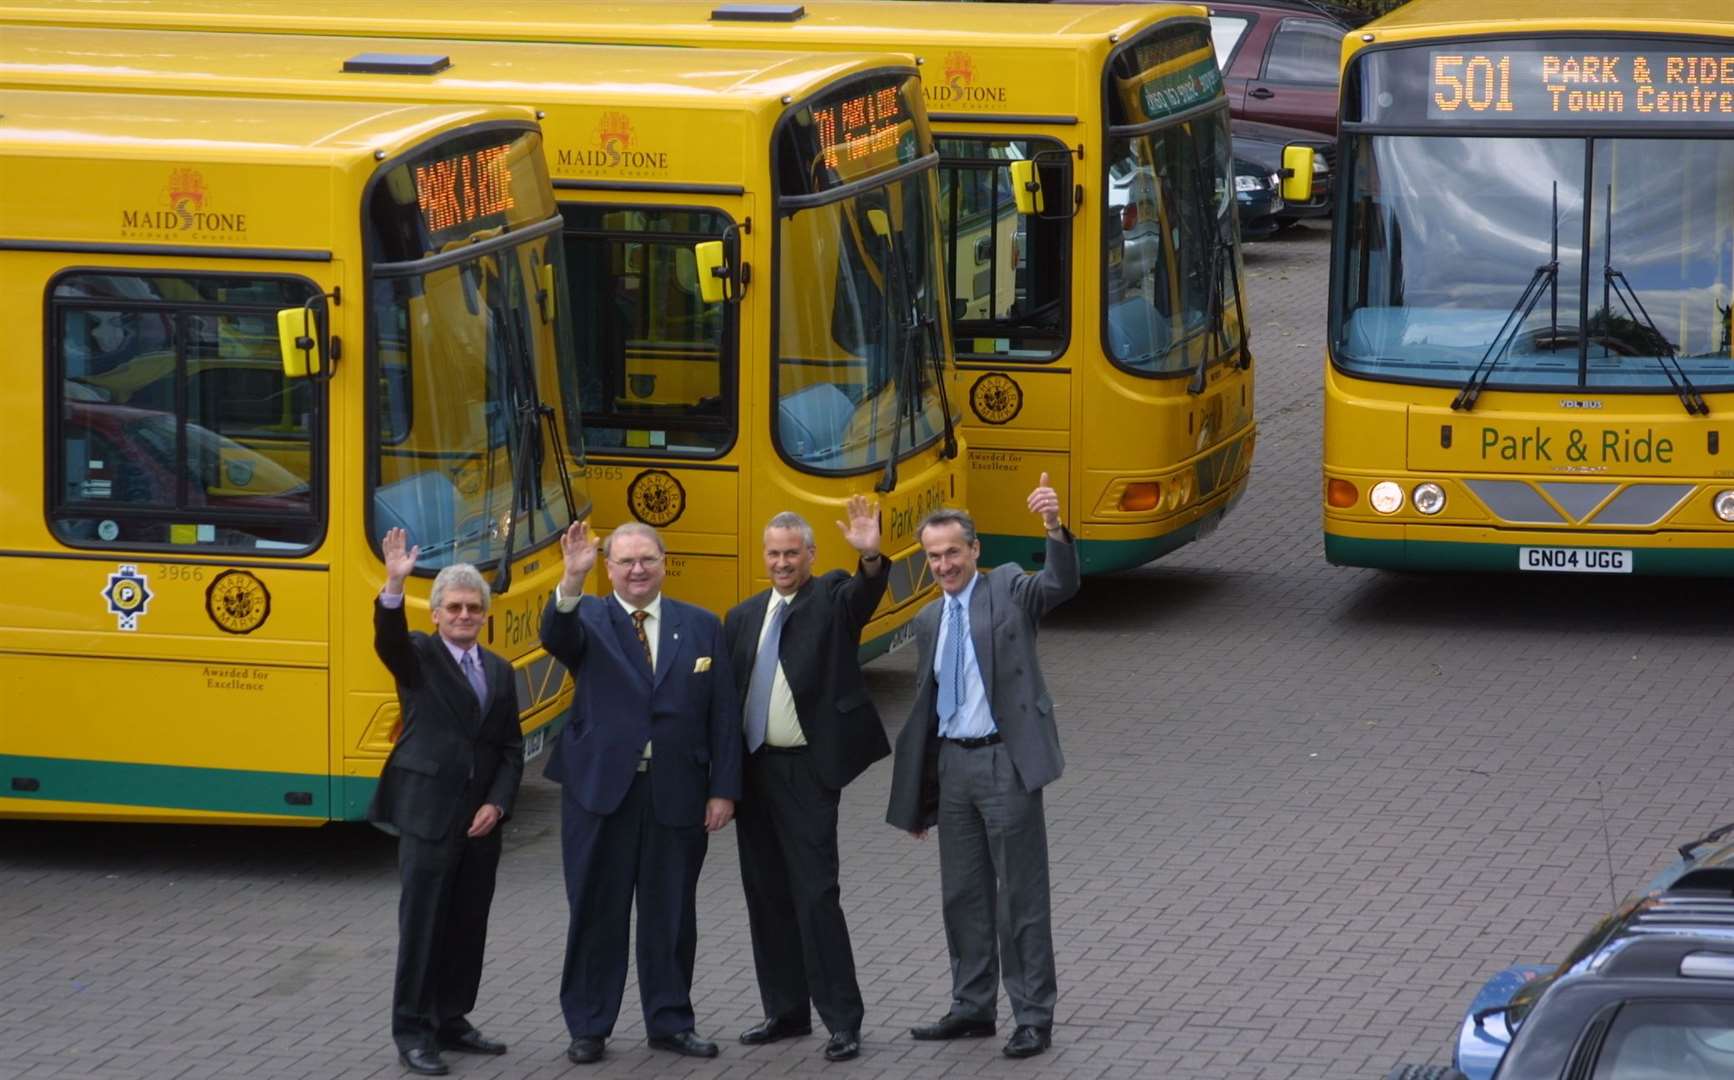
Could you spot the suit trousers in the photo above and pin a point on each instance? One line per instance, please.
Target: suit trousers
(442, 929)
(993, 876)
(609, 858)
(787, 828)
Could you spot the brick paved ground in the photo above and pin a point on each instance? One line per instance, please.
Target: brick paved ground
(1306, 811)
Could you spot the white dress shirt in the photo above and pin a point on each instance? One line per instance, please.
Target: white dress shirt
(974, 719)
(783, 727)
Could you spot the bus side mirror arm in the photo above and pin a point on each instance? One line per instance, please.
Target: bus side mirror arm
(303, 348)
(722, 274)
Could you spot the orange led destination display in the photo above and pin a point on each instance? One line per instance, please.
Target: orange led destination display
(458, 190)
(851, 133)
(1542, 82)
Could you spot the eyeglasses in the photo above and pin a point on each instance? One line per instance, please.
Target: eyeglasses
(455, 608)
(644, 563)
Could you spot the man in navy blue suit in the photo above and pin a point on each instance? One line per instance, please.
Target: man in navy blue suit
(649, 765)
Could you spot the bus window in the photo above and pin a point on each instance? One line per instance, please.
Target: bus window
(656, 363)
(1008, 272)
(176, 424)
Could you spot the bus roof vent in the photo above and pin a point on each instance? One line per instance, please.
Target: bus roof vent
(758, 13)
(378, 63)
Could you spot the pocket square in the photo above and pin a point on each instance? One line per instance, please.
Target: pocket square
(701, 664)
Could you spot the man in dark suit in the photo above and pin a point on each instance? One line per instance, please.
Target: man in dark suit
(810, 729)
(979, 746)
(447, 785)
(649, 764)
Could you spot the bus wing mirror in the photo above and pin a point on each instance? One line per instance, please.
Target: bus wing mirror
(880, 222)
(546, 282)
(1026, 187)
(298, 342)
(713, 271)
(1297, 173)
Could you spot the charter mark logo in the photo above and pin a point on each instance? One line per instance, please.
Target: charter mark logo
(959, 87)
(183, 213)
(618, 151)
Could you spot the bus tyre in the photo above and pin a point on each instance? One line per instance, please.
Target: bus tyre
(1424, 1072)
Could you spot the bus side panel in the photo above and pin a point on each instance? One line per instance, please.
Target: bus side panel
(136, 683)
(697, 511)
(1020, 427)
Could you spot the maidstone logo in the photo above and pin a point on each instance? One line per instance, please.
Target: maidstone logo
(618, 151)
(960, 87)
(182, 213)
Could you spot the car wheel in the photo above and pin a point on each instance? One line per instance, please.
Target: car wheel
(1424, 1072)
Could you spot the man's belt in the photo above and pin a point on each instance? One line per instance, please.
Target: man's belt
(974, 744)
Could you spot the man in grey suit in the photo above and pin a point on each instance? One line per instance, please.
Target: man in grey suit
(979, 747)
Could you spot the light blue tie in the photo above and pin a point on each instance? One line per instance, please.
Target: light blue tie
(473, 671)
(764, 674)
(951, 665)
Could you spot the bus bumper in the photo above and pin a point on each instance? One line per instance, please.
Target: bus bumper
(1481, 549)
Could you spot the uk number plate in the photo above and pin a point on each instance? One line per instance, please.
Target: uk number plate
(1575, 560)
(534, 743)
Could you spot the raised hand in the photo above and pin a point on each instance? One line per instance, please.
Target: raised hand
(399, 563)
(578, 549)
(862, 531)
(1044, 500)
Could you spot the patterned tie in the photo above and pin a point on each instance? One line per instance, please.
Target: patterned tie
(951, 664)
(764, 674)
(638, 618)
(472, 666)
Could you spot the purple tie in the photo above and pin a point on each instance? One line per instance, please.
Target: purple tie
(473, 671)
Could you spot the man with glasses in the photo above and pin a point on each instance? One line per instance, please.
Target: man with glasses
(447, 785)
(649, 764)
(979, 746)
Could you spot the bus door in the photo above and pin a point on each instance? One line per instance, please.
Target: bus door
(661, 381)
(1010, 276)
(188, 472)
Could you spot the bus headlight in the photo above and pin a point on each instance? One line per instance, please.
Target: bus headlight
(1386, 497)
(1429, 498)
(1725, 505)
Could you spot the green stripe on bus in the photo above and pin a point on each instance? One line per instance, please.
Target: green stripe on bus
(1094, 556)
(171, 787)
(1448, 555)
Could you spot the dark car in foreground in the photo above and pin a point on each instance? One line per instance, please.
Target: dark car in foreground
(1257, 198)
(1648, 994)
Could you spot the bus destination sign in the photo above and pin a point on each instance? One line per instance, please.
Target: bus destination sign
(457, 191)
(1542, 83)
(852, 133)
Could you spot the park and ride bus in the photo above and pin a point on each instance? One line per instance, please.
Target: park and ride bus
(1100, 335)
(802, 187)
(250, 336)
(1530, 357)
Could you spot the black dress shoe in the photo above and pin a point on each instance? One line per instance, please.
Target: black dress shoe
(769, 1031)
(952, 1026)
(471, 1042)
(423, 1062)
(1028, 1041)
(685, 1043)
(843, 1046)
(585, 1050)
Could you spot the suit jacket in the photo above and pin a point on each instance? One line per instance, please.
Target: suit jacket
(1004, 612)
(454, 753)
(821, 655)
(686, 709)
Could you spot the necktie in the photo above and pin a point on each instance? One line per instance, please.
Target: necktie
(764, 673)
(951, 663)
(473, 672)
(638, 618)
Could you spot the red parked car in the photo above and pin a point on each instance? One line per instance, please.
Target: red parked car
(1280, 58)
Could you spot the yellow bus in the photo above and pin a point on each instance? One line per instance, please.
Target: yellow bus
(807, 183)
(1100, 338)
(1530, 366)
(268, 332)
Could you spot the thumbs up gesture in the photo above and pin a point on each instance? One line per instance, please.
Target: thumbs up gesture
(1044, 500)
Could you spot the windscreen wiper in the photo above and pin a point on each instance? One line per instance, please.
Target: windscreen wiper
(1545, 279)
(1221, 246)
(1666, 354)
(532, 413)
(1688, 849)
